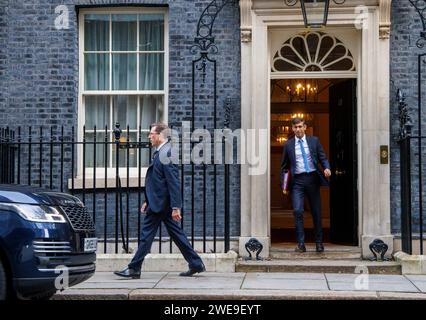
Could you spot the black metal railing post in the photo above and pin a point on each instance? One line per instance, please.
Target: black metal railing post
(1, 155)
(128, 186)
(19, 155)
(40, 157)
(72, 158)
(94, 175)
(406, 229)
(105, 188)
(84, 165)
(117, 136)
(29, 155)
(404, 140)
(62, 159)
(139, 182)
(51, 160)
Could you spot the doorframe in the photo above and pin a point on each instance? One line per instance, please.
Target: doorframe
(324, 75)
(373, 100)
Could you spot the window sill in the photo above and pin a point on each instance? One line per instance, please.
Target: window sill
(100, 183)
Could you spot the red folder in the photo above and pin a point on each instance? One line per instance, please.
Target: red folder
(285, 181)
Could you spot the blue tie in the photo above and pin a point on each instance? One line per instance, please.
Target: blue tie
(154, 155)
(305, 158)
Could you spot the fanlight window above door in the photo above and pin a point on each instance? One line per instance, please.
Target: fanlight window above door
(313, 52)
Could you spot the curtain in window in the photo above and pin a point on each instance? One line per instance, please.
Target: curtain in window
(149, 113)
(125, 111)
(151, 64)
(96, 40)
(97, 114)
(96, 32)
(124, 38)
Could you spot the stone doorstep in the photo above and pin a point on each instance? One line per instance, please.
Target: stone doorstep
(319, 266)
(411, 264)
(167, 262)
(314, 255)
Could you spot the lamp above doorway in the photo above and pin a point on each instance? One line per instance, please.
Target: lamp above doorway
(315, 12)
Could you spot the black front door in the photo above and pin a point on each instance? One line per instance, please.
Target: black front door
(343, 161)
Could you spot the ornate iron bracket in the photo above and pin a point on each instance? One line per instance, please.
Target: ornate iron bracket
(420, 6)
(204, 41)
(253, 245)
(405, 124)
(379, 247)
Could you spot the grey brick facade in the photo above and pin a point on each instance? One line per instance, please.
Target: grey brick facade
(39, 78)
(405, 31)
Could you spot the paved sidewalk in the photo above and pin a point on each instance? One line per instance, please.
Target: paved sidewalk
(235, 286)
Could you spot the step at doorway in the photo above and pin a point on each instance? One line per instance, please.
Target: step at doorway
(285, 251)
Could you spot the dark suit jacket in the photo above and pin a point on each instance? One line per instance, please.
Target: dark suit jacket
(162, 186)
(317, 154)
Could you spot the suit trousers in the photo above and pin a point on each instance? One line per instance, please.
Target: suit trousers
(150, 225)
(307, 184)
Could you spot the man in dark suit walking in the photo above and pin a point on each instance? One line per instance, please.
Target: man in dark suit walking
(163, 204)
(302, 156)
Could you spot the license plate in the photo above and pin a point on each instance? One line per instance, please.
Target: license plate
(90, 244)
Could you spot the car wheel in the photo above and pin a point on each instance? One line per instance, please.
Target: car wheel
(3, 282)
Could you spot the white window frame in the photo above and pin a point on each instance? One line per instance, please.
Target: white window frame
(111, 172)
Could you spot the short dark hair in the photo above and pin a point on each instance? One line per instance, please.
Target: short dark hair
(159, 127)
(297, 120)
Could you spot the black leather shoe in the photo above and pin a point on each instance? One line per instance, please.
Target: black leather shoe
(128, 273)
(300, 248)
(191, 272)
(319, 247)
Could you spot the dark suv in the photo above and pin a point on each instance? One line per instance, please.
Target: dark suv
(47, 242)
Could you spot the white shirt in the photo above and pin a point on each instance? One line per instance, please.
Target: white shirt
(300, 165)
(159, 147)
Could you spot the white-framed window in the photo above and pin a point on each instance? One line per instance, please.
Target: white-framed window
(123, 68)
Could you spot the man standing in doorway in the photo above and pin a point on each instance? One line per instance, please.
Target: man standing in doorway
(302, 156)
(163, 203)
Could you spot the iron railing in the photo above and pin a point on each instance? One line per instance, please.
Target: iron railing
(411, 168)
(105, 170)
(412, 221)
(412, 147)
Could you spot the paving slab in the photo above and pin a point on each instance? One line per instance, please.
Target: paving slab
(109, 276)
(416, 277)
(204, 280)
(124, 284)
(338, 277)
(286, 275)
(374, 286)
(237, 275)
(284, 284)
(421, 285)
